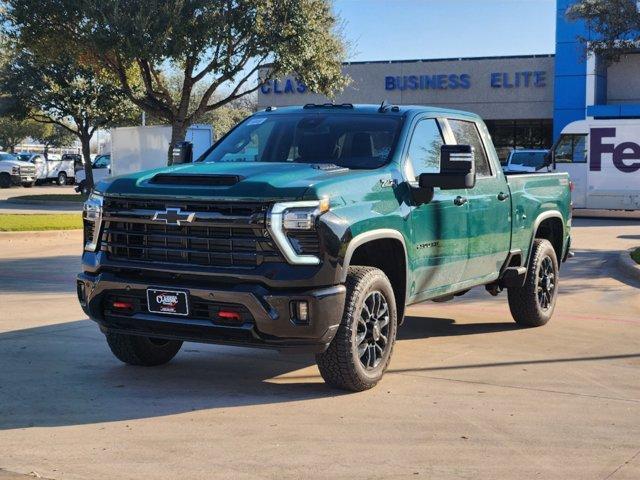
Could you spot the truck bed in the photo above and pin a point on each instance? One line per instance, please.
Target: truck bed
(535, 196)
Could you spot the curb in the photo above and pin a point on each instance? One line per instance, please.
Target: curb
(628, 264)
(52, 203)
(30, 235)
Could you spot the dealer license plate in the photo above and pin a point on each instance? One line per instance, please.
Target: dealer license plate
(167, 302)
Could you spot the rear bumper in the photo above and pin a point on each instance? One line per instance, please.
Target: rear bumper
(270, 322)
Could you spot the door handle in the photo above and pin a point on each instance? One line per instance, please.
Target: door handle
(503, 196)
(460, 200)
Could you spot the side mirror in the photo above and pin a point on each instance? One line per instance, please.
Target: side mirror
(457, 169)
(182, 153)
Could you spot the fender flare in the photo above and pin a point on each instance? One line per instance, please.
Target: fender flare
(366, 237)
(539, 219)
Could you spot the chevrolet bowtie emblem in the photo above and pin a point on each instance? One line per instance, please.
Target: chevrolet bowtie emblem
(174, 216)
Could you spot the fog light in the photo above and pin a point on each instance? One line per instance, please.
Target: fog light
(300, 311)
(82, 293)
(229, 315)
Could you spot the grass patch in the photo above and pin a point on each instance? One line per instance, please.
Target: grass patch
(636, 255)
(27, 222)
(66, 197)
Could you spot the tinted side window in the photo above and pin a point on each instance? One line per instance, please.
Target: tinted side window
(424, 149)
(571, 149)
(466, 133)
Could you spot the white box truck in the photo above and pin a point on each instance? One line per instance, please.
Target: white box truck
(134, 149)
(602, 158)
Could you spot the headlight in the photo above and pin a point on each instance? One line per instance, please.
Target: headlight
(291, 216)
(15, 170)
(92, 220)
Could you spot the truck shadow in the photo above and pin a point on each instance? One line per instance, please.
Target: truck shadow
(64, 374)
(424, 327)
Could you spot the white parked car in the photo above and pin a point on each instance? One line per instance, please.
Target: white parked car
(14, 171)
(526, 161)
(101, 169)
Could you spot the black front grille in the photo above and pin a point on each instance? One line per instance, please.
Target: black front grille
(199, 309)
(220, 234)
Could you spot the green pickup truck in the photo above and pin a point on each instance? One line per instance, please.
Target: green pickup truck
(310, 229)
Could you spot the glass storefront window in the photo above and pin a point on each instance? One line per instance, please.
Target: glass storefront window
(509, 135)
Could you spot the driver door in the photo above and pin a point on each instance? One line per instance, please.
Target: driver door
(439, 227)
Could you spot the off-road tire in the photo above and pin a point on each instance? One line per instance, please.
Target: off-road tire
(62, 179)
(5, 180)
(525, 306)
(340, 364)
(142, 351)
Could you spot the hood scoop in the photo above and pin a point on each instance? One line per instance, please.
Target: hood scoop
(195, 180)
(329, 167)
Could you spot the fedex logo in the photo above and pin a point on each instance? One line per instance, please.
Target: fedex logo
(626, 155)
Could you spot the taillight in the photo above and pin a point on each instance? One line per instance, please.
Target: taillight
(572, 186)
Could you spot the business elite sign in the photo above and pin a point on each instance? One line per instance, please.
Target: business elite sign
(447, 81)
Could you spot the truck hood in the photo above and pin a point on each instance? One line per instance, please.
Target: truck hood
(252, 181)
(14, 163)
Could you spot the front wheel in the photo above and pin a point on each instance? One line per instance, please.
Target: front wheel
(83, 188)
(62, 179)
(143, 351)
(28, 184)
(533, 303)
(361, 349)
(5, 180)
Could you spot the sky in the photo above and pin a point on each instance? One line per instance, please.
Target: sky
(412, 29)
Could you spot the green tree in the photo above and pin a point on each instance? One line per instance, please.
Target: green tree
(53, 136)
(59, 90)
(615, 25)
(13, 131)
(219, 46)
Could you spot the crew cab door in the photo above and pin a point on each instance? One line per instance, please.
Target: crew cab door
(41, 167)
(489, 204)
(438, 227)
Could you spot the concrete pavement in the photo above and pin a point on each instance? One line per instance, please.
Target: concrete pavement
(468, 395)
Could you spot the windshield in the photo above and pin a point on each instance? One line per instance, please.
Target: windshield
(528, 159)
(8, 156)
(352, 141)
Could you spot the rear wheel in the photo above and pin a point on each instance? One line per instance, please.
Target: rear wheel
(143, 351)
(361, 350)
(5, 180)
(62, 179)
(532, 305)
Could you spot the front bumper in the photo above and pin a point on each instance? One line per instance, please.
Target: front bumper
(22, 179)
(270, 322)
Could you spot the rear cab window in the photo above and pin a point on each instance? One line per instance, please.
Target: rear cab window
(466, 133)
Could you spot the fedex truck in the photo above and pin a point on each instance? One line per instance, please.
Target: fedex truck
(602, 158)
